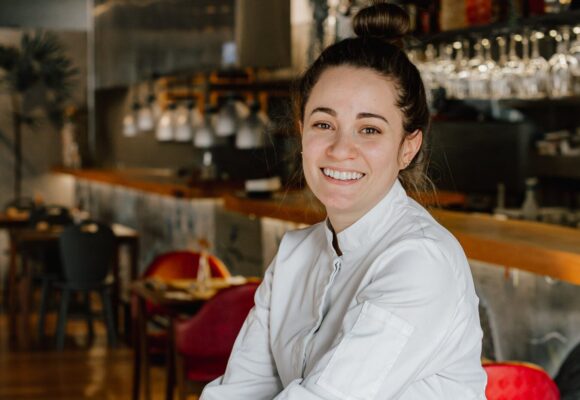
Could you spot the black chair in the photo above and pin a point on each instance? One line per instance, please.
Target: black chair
(87, 252)
(49, 269)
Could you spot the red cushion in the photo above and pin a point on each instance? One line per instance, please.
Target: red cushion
(205, 369)
(206, 340)
(507, 381)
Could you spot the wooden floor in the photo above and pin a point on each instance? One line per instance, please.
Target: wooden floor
(84, 370)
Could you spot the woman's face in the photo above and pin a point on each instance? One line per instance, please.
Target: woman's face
(351, 142)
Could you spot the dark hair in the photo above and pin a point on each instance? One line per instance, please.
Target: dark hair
(380, 30)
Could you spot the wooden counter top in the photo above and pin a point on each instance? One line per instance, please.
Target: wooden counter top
(531, 246)
(535, 247)
(159, 183)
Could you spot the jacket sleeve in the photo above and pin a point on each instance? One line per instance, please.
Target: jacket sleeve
(389, 339)
(251, 372)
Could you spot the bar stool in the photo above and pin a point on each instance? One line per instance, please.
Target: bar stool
(514, 381)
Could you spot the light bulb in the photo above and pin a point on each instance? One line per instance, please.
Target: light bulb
(166, 125)
(227, 120)
(183, 129)
(145, 120)
(204, 134)
(130, 128)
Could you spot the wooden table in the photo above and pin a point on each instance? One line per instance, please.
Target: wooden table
(11, 220)
(146, 292)
(24, 239)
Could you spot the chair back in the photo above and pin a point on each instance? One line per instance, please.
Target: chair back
(179, 265)
(51, 215)
(512, 381)
(183, 265)
(206, 340)
(87, 252)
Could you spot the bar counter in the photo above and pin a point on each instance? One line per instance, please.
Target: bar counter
(540, 248)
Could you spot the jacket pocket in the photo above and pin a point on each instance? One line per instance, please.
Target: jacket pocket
(366, 354)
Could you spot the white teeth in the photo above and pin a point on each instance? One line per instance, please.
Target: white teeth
(342, 176)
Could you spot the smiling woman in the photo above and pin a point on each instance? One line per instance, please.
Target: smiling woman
(353, 142)
(378, 301)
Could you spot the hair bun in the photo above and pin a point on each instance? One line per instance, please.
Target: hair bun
(385, 21)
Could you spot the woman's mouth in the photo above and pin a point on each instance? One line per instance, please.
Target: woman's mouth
(342, 175)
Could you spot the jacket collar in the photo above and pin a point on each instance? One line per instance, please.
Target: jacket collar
(372, 225)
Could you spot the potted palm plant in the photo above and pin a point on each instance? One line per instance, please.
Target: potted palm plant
(36, 74)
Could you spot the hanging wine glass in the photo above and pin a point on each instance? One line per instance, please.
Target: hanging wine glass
(444, 66)
(479, 73)
(499, 84)
(562, 66)
(575, 52)
(459, 78)
(537, 70)
(427, 70)
(514, 67)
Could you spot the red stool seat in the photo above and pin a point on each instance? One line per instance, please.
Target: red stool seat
(514, 381)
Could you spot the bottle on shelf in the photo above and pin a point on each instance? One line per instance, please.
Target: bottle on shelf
(530, 208)
(203, 271)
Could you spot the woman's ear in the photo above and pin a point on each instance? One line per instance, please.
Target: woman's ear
(300, 127)
(410, 148)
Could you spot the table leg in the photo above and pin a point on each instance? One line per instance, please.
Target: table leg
(12, 290)
(138, 332)
(25, 297)
(116, 286)
(134, 266)
(170, 381)
(133, 247)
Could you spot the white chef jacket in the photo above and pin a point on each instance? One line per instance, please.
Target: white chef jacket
(394, 317)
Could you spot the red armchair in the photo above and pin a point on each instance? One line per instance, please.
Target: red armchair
(167, 266)
(519, 381)
(203, 343)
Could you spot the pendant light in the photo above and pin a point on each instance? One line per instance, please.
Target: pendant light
(165, 131)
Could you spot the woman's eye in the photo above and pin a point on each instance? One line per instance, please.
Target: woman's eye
(322, 125)
(370, 131)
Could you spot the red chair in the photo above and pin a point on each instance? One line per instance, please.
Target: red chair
(203, 343)
(167, 266)
(519, 381)
(180, 265)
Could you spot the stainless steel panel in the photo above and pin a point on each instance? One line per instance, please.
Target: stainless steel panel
(133, 39)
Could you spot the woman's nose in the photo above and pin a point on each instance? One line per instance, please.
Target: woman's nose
(342, 146)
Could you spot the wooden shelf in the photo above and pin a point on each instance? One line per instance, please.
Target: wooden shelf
(557, 166)
(517, 25)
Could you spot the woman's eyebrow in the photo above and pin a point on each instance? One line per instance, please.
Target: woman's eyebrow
(324, 110)
(371, 115)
